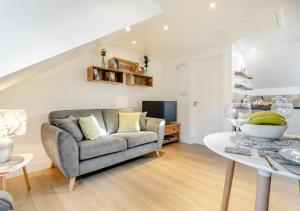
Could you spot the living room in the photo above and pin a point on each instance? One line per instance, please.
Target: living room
(124, 105)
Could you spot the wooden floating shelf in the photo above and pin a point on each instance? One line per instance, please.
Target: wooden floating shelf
(242, 87)
(105, 75)
(243, 75)
(123, 65)
(135, 79)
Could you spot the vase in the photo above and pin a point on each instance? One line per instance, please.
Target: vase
(6, 148)
(103, 62)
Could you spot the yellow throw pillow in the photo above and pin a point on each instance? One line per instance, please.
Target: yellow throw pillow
(129, 122)
(90, 127)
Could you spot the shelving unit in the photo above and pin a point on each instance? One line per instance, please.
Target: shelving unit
(119, 71)
(172, 133)
(100, 74)
(134, 79)
(242, 87)
(242, 75)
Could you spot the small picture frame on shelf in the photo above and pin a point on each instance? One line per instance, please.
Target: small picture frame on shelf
(96, 75)
(112, 77)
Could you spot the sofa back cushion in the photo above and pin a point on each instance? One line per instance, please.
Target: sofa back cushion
(77, 114)
(71, 125)
(111, 118)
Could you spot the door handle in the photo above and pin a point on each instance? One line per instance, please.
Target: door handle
(195, 103)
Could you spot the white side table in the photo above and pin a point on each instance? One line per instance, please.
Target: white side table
(14, 167)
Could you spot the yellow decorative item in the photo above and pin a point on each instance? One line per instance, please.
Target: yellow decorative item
(90, 127)
(129, 122)
(267, 118)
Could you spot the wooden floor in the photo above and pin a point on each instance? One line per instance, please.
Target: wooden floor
(185, 177)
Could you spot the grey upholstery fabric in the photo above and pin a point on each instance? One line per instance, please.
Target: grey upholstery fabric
(6, 201)
(101, 146)
(70, 124)
(143, 121)
(62, 149)
(67, 153)
(77, 114)
(158, 126)
(111, 120)
(111, 159)
(138, 138)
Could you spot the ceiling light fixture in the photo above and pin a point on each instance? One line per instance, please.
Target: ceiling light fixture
(127, 28)
(133, 42)
(212, 5)
(166, 27)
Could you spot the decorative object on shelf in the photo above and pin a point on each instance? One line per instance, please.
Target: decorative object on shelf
(12, 123)
(104, 75)
(103, 54)
(146, 61)
(118, 64)
(96, 74)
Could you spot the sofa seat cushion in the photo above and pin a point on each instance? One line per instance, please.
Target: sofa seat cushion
(137, 138)
(101, 146)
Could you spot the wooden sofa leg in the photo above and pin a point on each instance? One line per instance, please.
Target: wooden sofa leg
(71, 183)
(157, 153)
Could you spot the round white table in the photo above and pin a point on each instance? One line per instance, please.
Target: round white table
(6, 168)
(217, 143)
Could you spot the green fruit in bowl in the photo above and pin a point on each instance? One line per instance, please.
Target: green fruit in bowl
(267, 118)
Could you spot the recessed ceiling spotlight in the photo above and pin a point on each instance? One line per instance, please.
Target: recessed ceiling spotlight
(133, 42)
(127, 28)
(166, 27)
(212, 5)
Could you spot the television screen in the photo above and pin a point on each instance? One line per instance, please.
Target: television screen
(166, 110)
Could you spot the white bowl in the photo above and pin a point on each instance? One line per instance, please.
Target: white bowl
(264, 131)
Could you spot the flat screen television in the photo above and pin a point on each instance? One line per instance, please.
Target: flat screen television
(166, 110)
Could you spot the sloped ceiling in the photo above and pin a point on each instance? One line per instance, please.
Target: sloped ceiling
(193, 26)
(32, 31)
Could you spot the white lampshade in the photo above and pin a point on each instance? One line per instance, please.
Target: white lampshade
(12, 123)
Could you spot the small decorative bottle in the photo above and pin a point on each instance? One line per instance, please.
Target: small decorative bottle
(103, 54)
(146, 61)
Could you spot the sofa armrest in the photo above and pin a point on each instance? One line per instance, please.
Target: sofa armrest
(6, 201)
(62, 149)
(156, 125)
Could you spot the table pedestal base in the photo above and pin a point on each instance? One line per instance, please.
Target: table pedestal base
(262, 190)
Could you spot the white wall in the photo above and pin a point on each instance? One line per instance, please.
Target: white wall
(276, 70)
(178, 78)
(66, 87)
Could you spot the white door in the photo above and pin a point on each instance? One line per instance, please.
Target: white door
(206, 97)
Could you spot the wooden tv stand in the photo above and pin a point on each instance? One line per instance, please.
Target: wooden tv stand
(172, 132)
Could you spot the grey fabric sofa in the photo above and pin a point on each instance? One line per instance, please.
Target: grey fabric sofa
(75, 158)
(6, 202)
